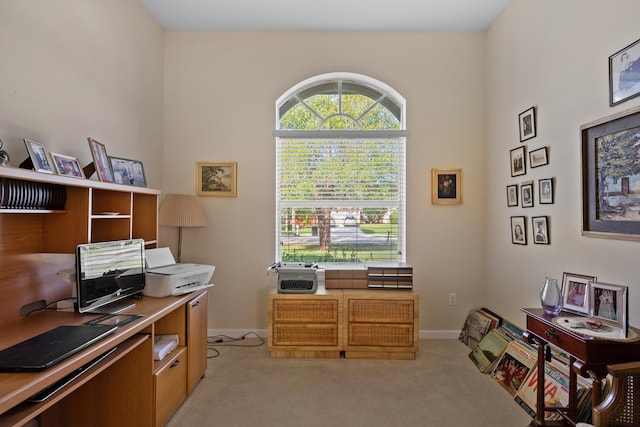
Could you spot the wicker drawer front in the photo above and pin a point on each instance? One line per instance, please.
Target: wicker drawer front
(386, 335)
(310, 311)
(311, 335)
(381, 311)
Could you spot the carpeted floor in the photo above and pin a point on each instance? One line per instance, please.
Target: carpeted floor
(244, 387)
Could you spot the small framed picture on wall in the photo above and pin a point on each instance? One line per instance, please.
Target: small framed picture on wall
(518, 230)
(527, 122)
(512, 195)
(518, 161)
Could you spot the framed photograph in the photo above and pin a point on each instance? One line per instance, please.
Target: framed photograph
(67, 165)
(446, 186)
(545, 191)
(38, 156)
(575, 293)
(125, 171)
(609, 302)
(624, 74)
(216, 179)
(512, 195)
(527, 120)
(518, 161)
(538, 157)
(518, 230)
(610, 203)
(540, 227)
(526, 188)
(101, 160)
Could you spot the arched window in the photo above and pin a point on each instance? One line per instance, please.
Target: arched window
(340, 171)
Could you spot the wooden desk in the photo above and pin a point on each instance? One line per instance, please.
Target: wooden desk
(589, 357)
(123, 388)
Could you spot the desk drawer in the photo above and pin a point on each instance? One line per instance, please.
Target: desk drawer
(170, 384)
(557, 337)
(305, 310)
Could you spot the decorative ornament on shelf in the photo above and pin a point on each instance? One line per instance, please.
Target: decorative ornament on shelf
(4, 156)
(551, 297)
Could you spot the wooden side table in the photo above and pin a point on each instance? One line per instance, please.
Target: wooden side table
(588, 357)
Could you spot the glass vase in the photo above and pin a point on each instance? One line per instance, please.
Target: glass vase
(551, 297)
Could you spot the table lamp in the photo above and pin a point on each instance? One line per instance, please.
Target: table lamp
(181, 210)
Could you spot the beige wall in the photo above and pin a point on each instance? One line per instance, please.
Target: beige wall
(72, 69)
(221, 89)
(77, 68)
(552, 55)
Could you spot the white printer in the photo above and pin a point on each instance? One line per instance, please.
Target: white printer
(166, 277)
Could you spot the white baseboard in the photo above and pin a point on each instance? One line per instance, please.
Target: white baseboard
(424, 334)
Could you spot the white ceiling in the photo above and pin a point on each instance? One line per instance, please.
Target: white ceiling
(326, 15)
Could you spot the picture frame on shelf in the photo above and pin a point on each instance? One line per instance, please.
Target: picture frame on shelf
(575, 293)
(538, 157)
(545, 191)
(517, 156)
(540, 230)
(624, 74)
(38, 156)
(609, 149)
(512, 195)
(217, 179)
(527, 124)
(67, 165)
(518, 230)
(526, 191)
(101, 160)
(126, 171)
(609, 303)
(446, 186)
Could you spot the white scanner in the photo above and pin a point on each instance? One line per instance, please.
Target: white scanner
(165, 277)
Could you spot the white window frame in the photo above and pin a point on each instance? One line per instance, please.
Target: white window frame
(387, 92)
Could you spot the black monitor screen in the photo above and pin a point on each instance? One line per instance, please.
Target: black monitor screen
(108, 271)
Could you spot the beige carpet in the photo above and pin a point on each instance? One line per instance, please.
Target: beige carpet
(244, 387)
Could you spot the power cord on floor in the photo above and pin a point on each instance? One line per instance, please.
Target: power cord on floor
(227, 341)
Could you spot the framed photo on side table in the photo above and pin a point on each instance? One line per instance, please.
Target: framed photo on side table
(624, 74)
(130, 172)
(512, 195)
(38, 156)
(609, 303)
(527, 121)
(575, 293)
(518, 230)
(518, 161)
(217, 179)
(67, 165)
(100, 160)
(446, 186)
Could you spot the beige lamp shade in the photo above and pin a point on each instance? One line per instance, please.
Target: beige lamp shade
(181, 210)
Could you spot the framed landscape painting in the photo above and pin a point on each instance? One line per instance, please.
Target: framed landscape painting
(217, 179)
(610, 177)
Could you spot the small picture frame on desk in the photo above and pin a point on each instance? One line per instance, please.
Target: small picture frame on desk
(575, 293)
(67, 165)
(101, 160)
(38, 156)
(610, 304)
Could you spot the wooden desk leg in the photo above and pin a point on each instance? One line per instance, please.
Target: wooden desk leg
(573, 387)
(539, 420)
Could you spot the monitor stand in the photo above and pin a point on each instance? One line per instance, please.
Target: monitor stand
(114, 307)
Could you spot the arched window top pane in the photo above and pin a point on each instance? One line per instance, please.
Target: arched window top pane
(341, 101)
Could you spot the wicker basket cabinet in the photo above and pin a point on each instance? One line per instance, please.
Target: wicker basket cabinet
(381, 324)
(305, 325)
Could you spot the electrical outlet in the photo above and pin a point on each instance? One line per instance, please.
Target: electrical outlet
(452, 299)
